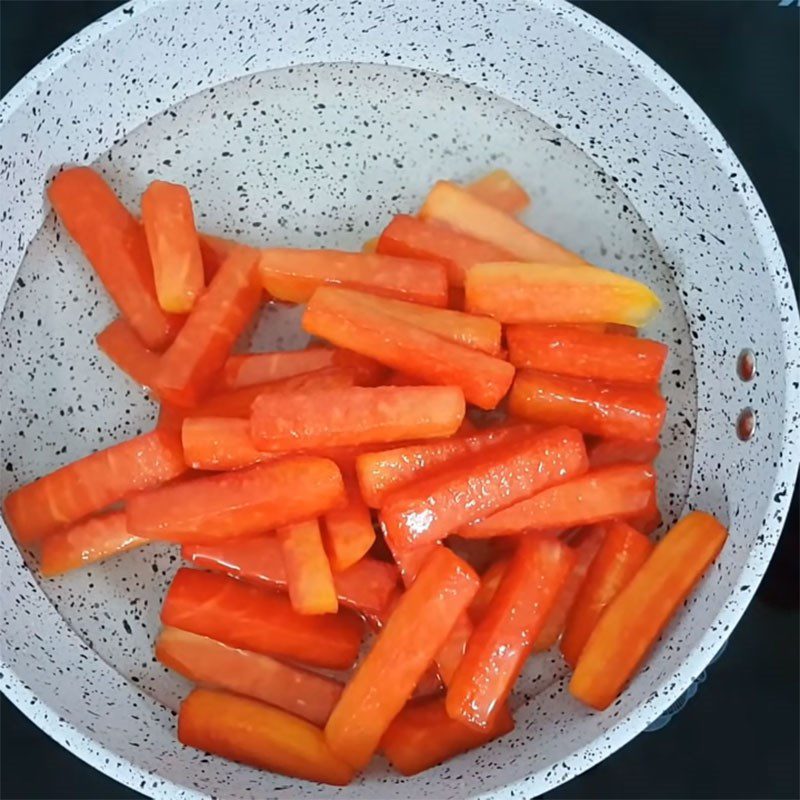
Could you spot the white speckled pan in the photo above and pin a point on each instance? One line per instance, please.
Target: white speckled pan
(310, 124)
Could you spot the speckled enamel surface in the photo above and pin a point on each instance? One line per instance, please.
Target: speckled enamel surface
(311, 124)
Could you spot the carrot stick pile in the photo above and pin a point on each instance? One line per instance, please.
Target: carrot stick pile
(315, 493)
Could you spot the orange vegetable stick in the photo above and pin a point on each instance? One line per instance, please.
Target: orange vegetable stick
(386, 678)
(499, 189)
(547, 292)
(251, 618)
(91, 484)
(503, 639)
(619, 491)
(467, 213)
(620, 557)
(257, 734)
(650, 519)
(86, 543)
(422, 735)
(369, 586)
(634, 619)
(429, 240)
(308, 570)
(214, 251)
(348, 319)
(490, 580)
(585, 552)
(384, 471)
(475, 486)
(353, 416)
(606, 452)
(302, 271)
(614, 410)
(121, 344)
(256, 368)
(114, 243)
(567, 350)
(168, 222)
(242, 503)
(348, 531)
(214, 664)
(220, 443)
(203, 344)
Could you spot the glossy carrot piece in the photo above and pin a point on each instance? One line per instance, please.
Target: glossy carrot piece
(174, 247)
(620, 557)
(255, 733)
(348, 531)
(214, 664)
(386, 678)
(358, 415)
(650, 518)
(121, 344)
(91, 484)
(190, 366)
(368, 586)
(469, 214)
(635, 618)
(214, 251)
(422, 735)
(348, 319)
(384, 471)
(220, 444)
(258, 368)
(504, 637)
(114, 243)
(613, 410)
(619, 491)
(308, 571)
(499, 189)
(250, 618)
(303, 271)
(478, 485)
(547, 292)
(86, 543)
(490, 580)
(586, 548)
(242, 503)
(567, 350)
(606, 452)
(429, 240)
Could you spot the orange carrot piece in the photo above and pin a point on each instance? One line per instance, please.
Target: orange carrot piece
(490, 580)
(614, 410)
(634, 619)
(121, 344)
(91, 484)
(220, 443)
(308, 570)
(242, 503)
(620, 557)
(302, 271)
(214, 664)
(429, 240)
(369, 586)
(114, 243)
(478, 485)
(250, 618)
(214, 251)
(353, 416)
(607, 452)
(348, 531)
(567, 350)
(650, 518)
(612, 492)
(386, 678)
(422, 735)
(469, 214)
(86, 543)
(254, 733)
(503, 639)
(499, 189)
(168, 222)
(203, 344)
(348, 319)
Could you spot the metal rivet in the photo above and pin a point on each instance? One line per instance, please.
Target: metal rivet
(746, 364)
(746, 424)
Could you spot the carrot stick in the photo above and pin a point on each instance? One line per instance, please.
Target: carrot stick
(490, 580)
(220, 443)
(308, 570)
(257, 734)
(121, 344)
(402, 652)
(499, 189)
(348, 531)
(634, 619)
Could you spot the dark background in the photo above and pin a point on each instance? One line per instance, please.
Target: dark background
(738, 737)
